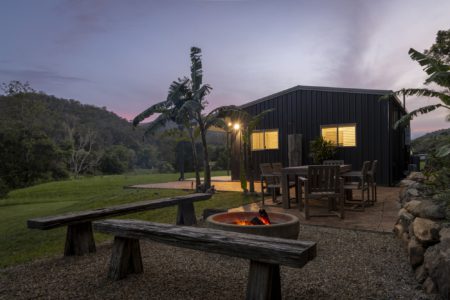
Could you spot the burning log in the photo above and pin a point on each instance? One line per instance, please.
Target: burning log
(262, 219)
(256, 221)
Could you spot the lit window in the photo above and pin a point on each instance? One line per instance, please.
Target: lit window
(340, 135)
(265, 140)
(258, 141)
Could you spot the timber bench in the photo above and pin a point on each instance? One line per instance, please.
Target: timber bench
(266, 254)
(79, 237)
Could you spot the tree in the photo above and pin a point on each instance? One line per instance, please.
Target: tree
(248, 124)
(81, 147)
(434, 63)
(440, 50)
(184, 105)
(170, 111)
(117, 160)
(15, 87)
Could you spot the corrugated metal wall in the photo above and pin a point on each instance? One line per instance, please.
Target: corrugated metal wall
(304, 111)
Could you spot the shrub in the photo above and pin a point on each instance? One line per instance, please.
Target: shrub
(320, 150)
(165, 167)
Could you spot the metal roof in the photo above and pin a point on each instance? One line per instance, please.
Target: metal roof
(324, 89)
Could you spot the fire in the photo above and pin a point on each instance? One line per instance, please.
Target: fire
(242, 222)
(262, 219)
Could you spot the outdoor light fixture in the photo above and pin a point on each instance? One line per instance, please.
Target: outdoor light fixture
(236, 126)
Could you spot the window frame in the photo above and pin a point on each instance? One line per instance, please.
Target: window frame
(337, 133)
(263, 131)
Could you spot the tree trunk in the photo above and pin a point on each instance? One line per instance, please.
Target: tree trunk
(194, 156)
(207, 181)
(250, 173)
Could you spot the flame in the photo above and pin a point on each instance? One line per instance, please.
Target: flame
(247, 223)
(264, 220)
(242, 222)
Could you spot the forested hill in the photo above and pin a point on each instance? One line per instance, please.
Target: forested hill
(44, 138)
(54, 116)
(431, 141)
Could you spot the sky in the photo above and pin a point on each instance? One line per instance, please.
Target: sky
(123, 55)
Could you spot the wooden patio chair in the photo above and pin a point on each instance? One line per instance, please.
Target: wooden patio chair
(276, 167)
(324, 182)
(361, 184)
(372, 179)
(269, 181)
(333, 162)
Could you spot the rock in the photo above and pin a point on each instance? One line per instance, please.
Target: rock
(403, 196)
(417, 185)
(411, 205)
(421, 274)
(405, 218)
(429, 286)
(406, 182)
(405, 237)
(399, 230)
(444, 235)
(426, 231)
(427, 209)
(416, 176)
(437, 264)
(412, 192)
(415, 252)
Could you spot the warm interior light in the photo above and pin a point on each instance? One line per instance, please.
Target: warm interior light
(236, 126)
(229, 124)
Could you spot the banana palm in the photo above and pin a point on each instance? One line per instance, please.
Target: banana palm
(438, 73)
(170, 111)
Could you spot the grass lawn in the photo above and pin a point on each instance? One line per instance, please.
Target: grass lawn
(18, 244)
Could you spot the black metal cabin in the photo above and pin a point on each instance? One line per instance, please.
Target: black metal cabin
(365, 121)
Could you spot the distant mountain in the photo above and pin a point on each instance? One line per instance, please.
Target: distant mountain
(431, 141)
(53, 115)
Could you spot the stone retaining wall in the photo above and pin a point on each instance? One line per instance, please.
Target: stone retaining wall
(424, 227)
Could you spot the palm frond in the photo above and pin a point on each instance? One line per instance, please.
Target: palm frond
(159, 122)
(189, 109)
(212, 119)
(409, 116)
(196, 68)
(443, 151)
(257, 119)
(441, 78)
(160, 107)
(200, 94)
(431, 65)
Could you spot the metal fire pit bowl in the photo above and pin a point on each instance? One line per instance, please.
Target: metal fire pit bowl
(283, 225)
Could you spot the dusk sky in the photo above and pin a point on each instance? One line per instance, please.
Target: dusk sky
(124, 54)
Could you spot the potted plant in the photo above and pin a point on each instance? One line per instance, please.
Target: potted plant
(320, 150)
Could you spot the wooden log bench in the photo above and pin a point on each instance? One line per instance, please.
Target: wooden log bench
(79, 237)
(266, 254)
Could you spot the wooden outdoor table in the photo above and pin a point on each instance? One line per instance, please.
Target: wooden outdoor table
(298, 171)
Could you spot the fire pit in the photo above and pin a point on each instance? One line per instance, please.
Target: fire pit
(278, 224)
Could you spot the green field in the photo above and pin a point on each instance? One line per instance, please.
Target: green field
(18, 244)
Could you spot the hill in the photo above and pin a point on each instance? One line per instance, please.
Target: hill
(44, 138)
(41, 112)
(431, 141)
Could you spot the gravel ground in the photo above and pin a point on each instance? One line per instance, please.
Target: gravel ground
(349, 265)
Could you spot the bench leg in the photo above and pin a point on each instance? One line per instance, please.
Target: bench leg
(79, 239)
(125, 259)
(263, 281)
(186, 214)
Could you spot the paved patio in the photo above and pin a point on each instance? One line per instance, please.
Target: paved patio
(380, 217)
